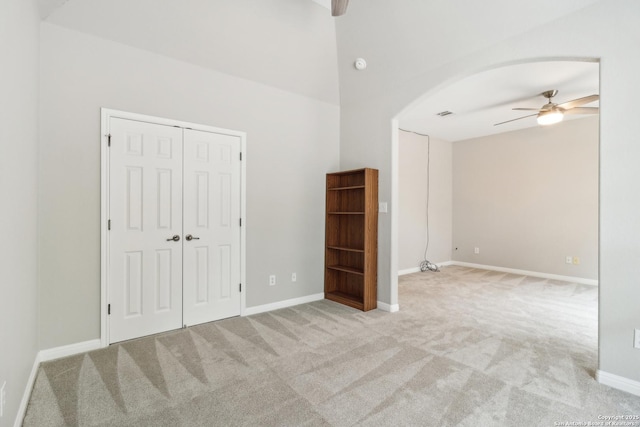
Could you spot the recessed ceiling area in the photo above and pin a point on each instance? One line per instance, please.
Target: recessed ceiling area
(481, 100)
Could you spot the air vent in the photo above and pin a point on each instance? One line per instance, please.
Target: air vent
(444, 113)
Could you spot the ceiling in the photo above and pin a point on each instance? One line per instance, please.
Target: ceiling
(324, 3)
(481, 100)
(287, 44)
(306, 62)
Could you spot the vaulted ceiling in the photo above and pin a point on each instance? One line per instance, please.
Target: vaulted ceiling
(291, 45)
(288, 44)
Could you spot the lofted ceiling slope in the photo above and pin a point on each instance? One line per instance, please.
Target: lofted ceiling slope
(291, 45)
(288, 44)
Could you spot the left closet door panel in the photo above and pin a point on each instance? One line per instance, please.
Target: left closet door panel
(145, 259)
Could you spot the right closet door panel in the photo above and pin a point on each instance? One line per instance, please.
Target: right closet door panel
(211, 218)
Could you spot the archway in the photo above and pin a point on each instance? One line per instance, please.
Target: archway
(433, 93)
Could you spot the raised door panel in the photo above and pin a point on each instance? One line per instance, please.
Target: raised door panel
(145, 209)
(211, 216)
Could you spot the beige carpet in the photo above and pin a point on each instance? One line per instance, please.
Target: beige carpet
(468, 348)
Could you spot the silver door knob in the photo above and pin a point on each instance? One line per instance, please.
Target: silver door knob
(189, 237)
(175, 238)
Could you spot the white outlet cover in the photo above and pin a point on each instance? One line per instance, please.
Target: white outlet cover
(382, 207)
(3, 398)
(293, 277)
(636, 339)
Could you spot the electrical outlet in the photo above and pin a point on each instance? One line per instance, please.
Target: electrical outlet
(293, 277)
(3, 398)
(576, 260)
(272, 280)
(476, 250)
(568, 260)
(636, 339)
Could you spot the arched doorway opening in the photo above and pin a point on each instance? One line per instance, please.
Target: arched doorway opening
(475, 99)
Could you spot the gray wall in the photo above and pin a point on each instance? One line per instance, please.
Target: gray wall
(292, 141)
(417, 51)
(19, 25)
(414, 185)
(528, 199)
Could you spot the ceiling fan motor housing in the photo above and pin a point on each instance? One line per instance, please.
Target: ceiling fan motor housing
(551, 112)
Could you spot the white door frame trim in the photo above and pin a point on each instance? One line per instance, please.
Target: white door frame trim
(106, 115)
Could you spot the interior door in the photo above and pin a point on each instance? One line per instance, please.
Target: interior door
(145, 260)
(211, 268)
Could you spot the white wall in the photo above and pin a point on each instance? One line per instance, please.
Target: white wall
(292, 142)
(412, 49)
(529, 198)
(19, 24)
(415, 188)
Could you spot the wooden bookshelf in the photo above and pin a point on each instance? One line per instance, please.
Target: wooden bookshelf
(351, 250)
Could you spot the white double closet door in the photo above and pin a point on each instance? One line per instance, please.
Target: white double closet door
(174, 237)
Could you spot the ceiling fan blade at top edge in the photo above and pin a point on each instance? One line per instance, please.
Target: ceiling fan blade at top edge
(578, 102)
(339, 7)
(583, 110)
(513, 120)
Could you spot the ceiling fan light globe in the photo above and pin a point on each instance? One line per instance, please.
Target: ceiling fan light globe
(546, 118)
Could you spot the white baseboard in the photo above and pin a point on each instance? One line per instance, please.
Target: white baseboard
(408, 271)
(69, 350)
(45, 356)
(282, 304)
(618, 382)
(22, 409)
(391, 308)
(571, 279)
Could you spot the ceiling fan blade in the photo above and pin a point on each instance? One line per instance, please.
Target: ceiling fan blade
(583, 110)
(526, 109)
(339, 7)
(578, 102)
(513, 120)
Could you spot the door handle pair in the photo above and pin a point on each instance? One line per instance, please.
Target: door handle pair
(176, 238)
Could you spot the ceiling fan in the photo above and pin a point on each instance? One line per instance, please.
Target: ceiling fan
(339, 7)
(551, 113)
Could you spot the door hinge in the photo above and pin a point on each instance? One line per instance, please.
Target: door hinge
(240, 222)
(109, 225)
(108, 308)
(241, 156)
(109, 140)
(240, 287)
